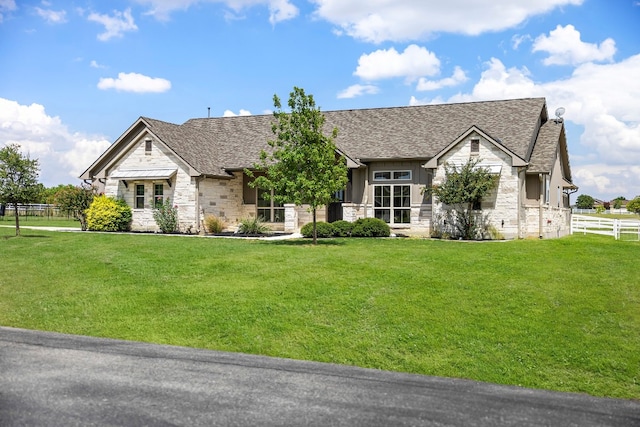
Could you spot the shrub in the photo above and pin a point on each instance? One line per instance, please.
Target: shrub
(323, 229)
(166, 216)
(342, 228)
(634, 205)
(108, 214)
(75, 201)
(370, 227)
(213, 224)
(253, 226)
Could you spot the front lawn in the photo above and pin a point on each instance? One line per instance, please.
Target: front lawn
(40, 221)
(559, 314)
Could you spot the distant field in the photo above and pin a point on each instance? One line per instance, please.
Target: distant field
(561, 314)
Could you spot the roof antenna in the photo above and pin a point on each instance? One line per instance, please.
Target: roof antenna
(209, 112)
(559, 113)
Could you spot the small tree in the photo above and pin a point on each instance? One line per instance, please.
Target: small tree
(18, 179)
(584, 201)
(462, 189)
(75, 201)
(166, 216)
(634, 205)
(617, 202)
(303, 167)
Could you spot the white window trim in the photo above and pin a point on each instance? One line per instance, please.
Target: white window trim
(391, 206)
(135, 196)
(155, 195)
(271, 207)
(391, 172)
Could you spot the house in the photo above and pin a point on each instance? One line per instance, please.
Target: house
(392, 155)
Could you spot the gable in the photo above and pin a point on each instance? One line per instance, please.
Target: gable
(465, 140)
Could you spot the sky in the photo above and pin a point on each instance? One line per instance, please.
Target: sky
(75, 74)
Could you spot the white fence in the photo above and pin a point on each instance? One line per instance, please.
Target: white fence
(30, 210)
(618, 228)
(621, 211)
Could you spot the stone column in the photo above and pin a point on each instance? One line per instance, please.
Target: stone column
(290, 218)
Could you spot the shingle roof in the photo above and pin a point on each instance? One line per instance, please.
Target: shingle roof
(213, 145)
(544, 150)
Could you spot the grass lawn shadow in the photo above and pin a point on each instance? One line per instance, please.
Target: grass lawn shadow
(308, 242)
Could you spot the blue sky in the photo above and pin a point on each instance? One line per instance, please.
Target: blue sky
(76, 74)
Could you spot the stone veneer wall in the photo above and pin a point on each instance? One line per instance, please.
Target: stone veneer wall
(556, 222)
(501, 205)
(181, 192)
(223, 198)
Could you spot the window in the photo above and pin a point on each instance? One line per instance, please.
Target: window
(158, 195)
(475, 147)
(547, 188)
(269, 210)
(392, 175)
(139, 202)
(392, 203)
(148, 144)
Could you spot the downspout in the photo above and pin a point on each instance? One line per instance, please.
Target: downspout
(522, 177)
(541, 205)
(366, 189)
(199, 220)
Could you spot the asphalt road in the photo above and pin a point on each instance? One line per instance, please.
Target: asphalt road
(49, 379)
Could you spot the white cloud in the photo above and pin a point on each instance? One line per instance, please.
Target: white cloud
(414, 62)
(94, 64)
(565, 47)
(279, 10)
(358, 90)
(116, 25)
(518, 39)
(63, 155)
(456, 79)
(6, 6)
(52, 16)
(400, 20)
(134, 82)
(229, 113)
(607, 182)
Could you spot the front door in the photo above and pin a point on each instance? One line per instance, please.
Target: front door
(334, 212)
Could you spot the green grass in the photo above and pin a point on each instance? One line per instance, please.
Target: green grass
(39, 221)
(631, 217)
(559, 314)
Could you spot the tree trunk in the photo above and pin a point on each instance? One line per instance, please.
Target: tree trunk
(315, 234)
(15, 209)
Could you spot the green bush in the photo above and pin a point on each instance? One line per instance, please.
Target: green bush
(253, 226)
(323, 229)
(166, 216)
(108, 214)
(342, 228)
(370, 227)
(213, 224)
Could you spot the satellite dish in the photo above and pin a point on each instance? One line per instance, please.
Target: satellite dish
(559, 112)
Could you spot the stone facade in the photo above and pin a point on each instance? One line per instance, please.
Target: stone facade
(180, 188)
(500, 207)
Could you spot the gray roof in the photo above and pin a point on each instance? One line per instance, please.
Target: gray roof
(544, 150)
(213, 145)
